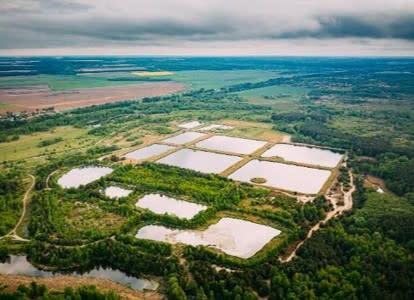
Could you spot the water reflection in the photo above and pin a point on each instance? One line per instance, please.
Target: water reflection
(233, 236)
(303, 154)
(201, 161)
(19, 265)
(82, 176)
(287, 177)
(161, 204)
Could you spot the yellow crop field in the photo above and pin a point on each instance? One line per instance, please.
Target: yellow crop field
(152, 74)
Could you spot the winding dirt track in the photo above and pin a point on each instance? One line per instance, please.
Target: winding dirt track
(47, 187)
(336, 212)
(13, 233)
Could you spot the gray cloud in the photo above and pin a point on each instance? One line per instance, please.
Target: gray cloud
(80, 23)
(402, 27)
(40, 6)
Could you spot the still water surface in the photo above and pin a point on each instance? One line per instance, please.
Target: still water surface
(200, 161)
(82, 176)
(231, 144)
(233, 236)
(19, 265)
(286, 177)
(148, 152)
(306, 155)
(161, 204)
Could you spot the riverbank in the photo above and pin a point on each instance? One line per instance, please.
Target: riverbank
(59, 283)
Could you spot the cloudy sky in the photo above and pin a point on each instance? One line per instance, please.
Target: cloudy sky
(207, 27)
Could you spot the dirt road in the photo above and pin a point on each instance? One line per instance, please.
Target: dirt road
(13, 233)
(338, 210)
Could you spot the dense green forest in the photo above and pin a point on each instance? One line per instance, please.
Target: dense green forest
(11, 191)
(36, 291)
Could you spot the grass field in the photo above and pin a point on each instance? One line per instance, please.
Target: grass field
(254, 130)
(195, 79)
(5, 106)
(27, 145)
(282, 98)
(64, 82)
(217, 79)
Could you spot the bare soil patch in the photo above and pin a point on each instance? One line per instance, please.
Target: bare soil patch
(375, 183)
(40, 97)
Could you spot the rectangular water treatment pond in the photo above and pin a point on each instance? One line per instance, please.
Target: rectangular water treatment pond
(148, 152)
(233, 236)
(200, 161)
(282, 176)
(306, 155)
(231, 144)
(82, 176)
(184, 138)
(161, 204)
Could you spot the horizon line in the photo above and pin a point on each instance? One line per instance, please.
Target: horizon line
(215, 55)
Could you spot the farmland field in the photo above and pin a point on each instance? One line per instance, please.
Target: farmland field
(62, 82)
(40, 97)
(209, 79)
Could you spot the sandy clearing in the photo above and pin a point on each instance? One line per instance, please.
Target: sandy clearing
(30, 99)
(376, 183)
